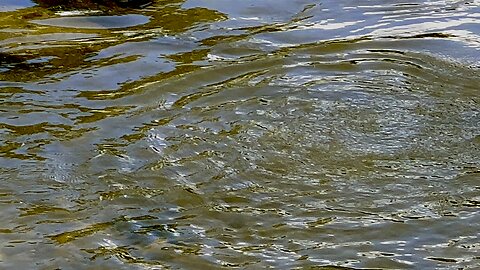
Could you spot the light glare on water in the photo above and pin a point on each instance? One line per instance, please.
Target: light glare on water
(249, 134)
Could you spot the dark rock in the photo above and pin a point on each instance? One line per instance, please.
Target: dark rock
(91, 4)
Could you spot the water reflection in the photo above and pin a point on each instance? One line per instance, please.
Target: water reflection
(96, 22)
(247, 134)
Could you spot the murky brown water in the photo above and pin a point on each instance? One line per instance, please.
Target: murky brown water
(246, 134)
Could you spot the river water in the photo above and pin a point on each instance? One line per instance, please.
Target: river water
(250, 134)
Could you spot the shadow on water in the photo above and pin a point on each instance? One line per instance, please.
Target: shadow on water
(239, 134)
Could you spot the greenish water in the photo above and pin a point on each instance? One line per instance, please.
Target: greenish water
(252, 134)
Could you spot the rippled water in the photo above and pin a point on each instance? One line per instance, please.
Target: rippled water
(247, 134)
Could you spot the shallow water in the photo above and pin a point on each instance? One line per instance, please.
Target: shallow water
(245, 134)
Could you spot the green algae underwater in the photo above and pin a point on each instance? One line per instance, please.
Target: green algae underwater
(253, 134)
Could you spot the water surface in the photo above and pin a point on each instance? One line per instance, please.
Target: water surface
(248, 134)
